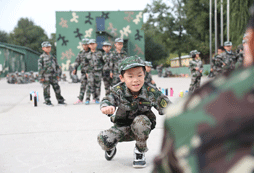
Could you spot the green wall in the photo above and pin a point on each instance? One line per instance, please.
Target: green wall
(73, 26)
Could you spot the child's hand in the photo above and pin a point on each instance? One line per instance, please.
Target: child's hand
(108, 110)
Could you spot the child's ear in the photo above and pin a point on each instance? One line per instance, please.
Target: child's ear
(121, 78)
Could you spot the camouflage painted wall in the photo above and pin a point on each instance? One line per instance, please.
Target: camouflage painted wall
(72, 27)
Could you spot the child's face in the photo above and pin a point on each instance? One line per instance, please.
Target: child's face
(47, 49)
(119, 46)
(148, 69)
(106, 48)
(92, 46)
(134, 78)
(228, 48)
(85, 46)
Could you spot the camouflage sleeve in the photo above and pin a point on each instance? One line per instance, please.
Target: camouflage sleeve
(191, 66)
(57, 68)
(41, 68)
(201, 66)
(77, 61)
(86, 64)
(111, 62)
(109, 100)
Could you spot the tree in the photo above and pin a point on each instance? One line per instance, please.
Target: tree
(27, 34)
(166, 23)
(154, 51)
(4, 37)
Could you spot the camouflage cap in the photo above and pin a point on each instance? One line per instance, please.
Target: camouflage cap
(45, 44)
(119, 40)
(227, 43)
(85, 41)
(194, 52)
(131, 62)
(92, 41)
(106, 43)
(148, 63)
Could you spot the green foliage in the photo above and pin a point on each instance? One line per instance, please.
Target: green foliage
(27, 34)
(4, 37)
(154, 51)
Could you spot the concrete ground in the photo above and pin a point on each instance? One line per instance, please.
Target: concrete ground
(63, 139)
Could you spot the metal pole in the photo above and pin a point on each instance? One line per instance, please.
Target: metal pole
(215, 24)
(221, 24)
(210, 29)
(228, 21)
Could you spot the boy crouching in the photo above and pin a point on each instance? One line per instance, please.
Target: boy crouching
(133, 119)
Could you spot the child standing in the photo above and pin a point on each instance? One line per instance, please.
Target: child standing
(148, 77)
(133, 119)
(48, 68)
(107, 80)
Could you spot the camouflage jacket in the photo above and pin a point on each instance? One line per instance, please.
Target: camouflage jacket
(130, 106)
(193, 64)
(217, 62)
(80, 60)
(47, 65)
(212, 129)
(106, 58)
(115, 61)
(93, 62)
(229, 58)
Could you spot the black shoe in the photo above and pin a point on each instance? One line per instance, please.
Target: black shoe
(49, 104)
(62, 103)
(110, 154)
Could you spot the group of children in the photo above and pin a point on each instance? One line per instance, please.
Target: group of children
(130, 93)
(21, 77)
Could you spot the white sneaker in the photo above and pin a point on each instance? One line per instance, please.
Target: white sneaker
(139, 159)
(110, 154)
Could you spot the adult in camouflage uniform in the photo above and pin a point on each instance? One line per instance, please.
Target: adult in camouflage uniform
(47, 68)
(80, 60)
(148, 76)
(133, 119)
(107, 80)
(94, 64)
(218, 125)
(218, 62)
(196, 68)
(117, 56)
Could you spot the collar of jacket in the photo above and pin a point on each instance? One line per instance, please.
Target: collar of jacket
(143, 92)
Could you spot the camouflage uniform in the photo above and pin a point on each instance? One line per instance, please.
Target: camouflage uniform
(26, 78)
(218, 128)
(195, 74)
(159, 70)
(80, 60)
(20, 79)
(31, 77)
(134, 119)
(47, 68)
(107, 80)
(230, 59)
(217, 64)
(114, 62)
(94, 64)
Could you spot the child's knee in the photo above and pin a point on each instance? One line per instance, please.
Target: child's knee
(141, 125)
(105, 141)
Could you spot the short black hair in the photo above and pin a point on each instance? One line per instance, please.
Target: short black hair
(221, 48)
(143, 68)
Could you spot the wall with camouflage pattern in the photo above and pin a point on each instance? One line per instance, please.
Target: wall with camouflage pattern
(73, 26)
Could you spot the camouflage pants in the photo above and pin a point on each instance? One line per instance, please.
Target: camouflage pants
(139, 131)
(52, 80)
(83, 81)
(94, 85)
(195, 83)
(107, 82)
(115, 79)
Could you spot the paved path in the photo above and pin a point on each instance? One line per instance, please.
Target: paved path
(63, 139)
